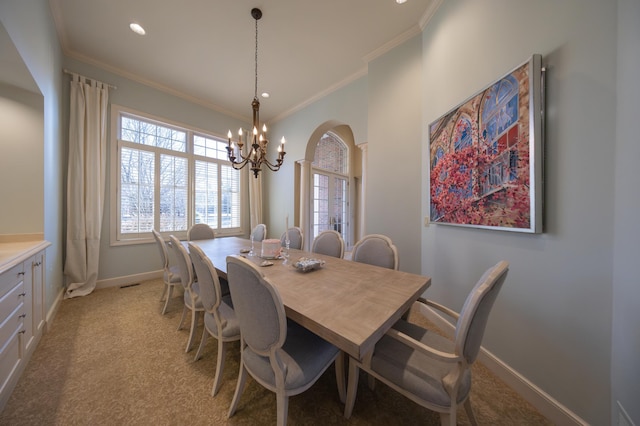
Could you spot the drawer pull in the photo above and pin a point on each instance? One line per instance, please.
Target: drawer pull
(20, 273)
(23, 316)
(22, 332)
(22, 294)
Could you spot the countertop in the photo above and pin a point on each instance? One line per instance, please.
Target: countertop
(14, 253)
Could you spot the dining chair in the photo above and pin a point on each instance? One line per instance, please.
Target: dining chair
(219, 317)
(192, 300)
(171, 273)
(259, 233)
(200, 231)
(296, 238)
(431, 370)
(330, 243)
(376, 249)
(279, 354)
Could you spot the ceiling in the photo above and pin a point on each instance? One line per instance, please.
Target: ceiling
(204, 50)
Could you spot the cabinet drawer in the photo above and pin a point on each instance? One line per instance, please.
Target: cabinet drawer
(10, 301)
(12, 325)
(10, 278)
(9, 360)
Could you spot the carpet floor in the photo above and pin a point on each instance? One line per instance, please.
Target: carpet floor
(110, 358)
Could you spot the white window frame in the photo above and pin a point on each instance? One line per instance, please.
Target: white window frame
(116, 237)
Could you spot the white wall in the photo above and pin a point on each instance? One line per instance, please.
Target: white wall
(30, 27)
(625, 368)
(552, 321)
(21, 170)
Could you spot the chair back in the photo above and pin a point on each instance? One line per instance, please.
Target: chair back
(376, 249)
(259, 233)
(329, 243)
(162, 247)
(184, 262)
(475, 311)
(208, 281)
(200, 231)
(258, 307)
(296, 238)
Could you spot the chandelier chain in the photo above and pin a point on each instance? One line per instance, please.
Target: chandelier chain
(255, 94)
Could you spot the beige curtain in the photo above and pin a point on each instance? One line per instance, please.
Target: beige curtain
(255, 200)
(85, 183)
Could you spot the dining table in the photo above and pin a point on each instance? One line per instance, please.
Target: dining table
(349, 304)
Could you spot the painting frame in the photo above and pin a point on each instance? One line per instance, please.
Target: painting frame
(486, 155)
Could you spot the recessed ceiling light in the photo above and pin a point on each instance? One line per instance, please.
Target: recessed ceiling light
(401, 1)
(137, 28)
(265, 94)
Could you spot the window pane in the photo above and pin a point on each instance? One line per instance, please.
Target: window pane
(146, 132)
(210, 147)
(206, 193)
(331, 154)
(137, 193)
(230, 180)
(173, 193)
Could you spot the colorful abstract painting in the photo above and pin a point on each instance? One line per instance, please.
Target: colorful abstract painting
(486, 156)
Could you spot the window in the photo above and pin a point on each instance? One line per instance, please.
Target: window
(170, 177)
(330, 186)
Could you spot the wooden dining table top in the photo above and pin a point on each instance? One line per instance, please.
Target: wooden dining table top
(347, 303)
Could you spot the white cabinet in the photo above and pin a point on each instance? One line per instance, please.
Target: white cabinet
(21, 317)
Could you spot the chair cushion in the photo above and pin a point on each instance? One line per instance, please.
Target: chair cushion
(172, 276)
(305, 354)
(418, 373)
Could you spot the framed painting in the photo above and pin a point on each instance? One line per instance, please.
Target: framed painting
(486, 156)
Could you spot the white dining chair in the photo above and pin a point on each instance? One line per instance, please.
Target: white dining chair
(279, 354)
(171, 273)
(296, 238)
(259, 232)
(192, 300)
(376, 249)
(219, 317)
(330, 243)
(200, 231)
(431, 370)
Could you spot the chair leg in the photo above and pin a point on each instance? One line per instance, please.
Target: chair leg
(217, 380)
(184, 316)
(448, 419)
(469, 411)
(203, 342)
(169, 290)
(192, 332)
(352, 388)
(164, 290)
(242, 378)
(282, 402)
(340, 379)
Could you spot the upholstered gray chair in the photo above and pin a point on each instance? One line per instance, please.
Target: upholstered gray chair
(329, 243)
(200, 231)
(192, 300)
(219, 318)
(376, 249)
(431, 370)
(296, 238)
(281, 355)
(170, 275)
(259, 233)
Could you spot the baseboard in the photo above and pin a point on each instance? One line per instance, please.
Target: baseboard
(51, 313)
(128, 279)
(543, 402)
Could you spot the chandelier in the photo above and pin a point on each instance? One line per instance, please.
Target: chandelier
(255, 153)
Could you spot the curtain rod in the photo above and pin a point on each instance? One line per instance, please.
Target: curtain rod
(110, 86)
